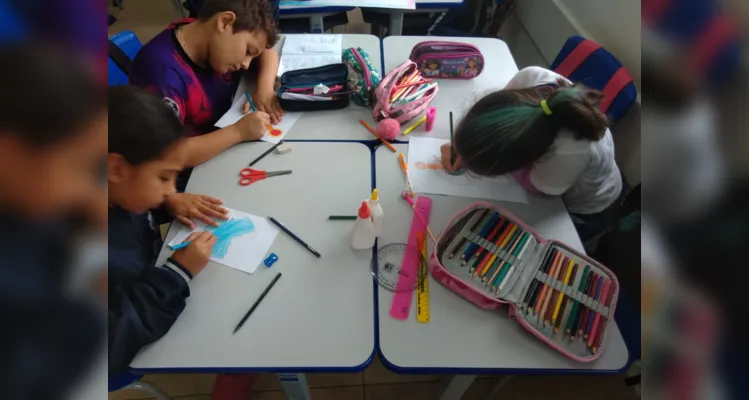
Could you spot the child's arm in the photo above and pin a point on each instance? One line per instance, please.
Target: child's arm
(555, 173)
(264, 95)
(143, 312)
(204, 147)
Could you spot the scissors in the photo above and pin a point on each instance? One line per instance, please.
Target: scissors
(250, 176)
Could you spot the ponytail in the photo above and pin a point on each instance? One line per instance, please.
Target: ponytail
(510, 129)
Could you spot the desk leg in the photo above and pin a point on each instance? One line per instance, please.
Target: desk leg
(499, 385)
(396, 23)
(295, 386)
(456, 386)
(315, 24)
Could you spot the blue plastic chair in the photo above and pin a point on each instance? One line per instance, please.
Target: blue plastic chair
(130, 45)
(595, 71)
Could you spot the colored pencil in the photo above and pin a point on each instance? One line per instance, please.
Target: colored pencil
(342, 217)
(565, 283)
(482, 252)
(463, 240)
(554, 293)
(592, 313)
(581, 306)
(374, 132)
(516, 261)
(507, 264)
(565, 301)
(495, 261)
(534, 282)
(602, 323)
(468, 253)
(544, 269)
(597, 318)
(452, 142)
(586, 311)
(483, 268)
(536, 300)
(479, 249)
(543, 299)
(573, 310)
(260, 157)
(293, 236)
(257, 302)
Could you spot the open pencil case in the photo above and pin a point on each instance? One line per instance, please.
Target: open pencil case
(301, 84)
(448, 60)
(491, 258)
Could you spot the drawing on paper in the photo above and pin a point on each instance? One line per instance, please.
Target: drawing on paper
(227, 231)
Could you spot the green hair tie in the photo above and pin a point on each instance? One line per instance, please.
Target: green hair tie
(546, 108)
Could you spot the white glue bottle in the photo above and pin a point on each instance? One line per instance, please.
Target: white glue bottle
(363, 234)
(375, 210)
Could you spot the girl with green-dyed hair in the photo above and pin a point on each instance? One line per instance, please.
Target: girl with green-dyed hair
(552, 137)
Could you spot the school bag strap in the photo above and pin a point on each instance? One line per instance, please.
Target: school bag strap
(119, 57)
(587, 62)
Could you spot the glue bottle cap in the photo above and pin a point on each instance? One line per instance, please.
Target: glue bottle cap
(364, 210)
(375, 195)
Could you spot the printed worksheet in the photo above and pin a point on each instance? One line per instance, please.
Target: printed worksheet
(243, 240)
(429, 176)
(309, 51)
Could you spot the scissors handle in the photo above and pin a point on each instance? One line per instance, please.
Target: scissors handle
(249, 176)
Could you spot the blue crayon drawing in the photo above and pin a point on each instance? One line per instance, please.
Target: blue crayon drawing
(227, 231)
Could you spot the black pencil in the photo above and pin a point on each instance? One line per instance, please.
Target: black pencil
(452, 143)
(295, 237)
(342, 217)
(265, 154)
(257, 302)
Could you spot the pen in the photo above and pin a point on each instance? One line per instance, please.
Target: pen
(257, 302)
(181, 245)
(295, 237)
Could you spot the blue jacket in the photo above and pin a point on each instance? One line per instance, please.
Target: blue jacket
(144, 299)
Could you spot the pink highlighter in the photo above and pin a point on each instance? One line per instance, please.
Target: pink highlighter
(431, 115)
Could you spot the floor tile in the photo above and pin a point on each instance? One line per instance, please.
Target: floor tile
(266, 382)
(339, 393)
(377, 373)
(566, 388)
(173, 384)
(409, 390)
(329, 380)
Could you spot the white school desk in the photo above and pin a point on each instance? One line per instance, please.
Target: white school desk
(462, 338)
(436, 6)
(320, 314)
(340, 124)
(455, 94)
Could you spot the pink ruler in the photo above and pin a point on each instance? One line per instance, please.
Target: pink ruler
(404, 289)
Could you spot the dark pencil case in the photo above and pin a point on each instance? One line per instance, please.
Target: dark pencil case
(528, 275)
(304, 80)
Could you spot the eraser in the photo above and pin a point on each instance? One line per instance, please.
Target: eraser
(284, 148)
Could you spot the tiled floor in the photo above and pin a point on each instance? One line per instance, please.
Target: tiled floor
(147, 18)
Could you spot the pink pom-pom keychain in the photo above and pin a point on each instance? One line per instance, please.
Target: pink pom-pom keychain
(431, 115)
(389, 129)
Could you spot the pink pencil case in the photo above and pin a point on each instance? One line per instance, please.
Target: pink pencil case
(448, 60)
(527, 274)
(403, 113)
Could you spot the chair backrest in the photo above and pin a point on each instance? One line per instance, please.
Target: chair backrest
(122, 49)
(702, 26)
(585, 61)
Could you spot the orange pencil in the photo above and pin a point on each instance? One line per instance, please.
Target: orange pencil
(554, 293)
(374, 132)
(542, 296)
(483, 268)
(495, 258)
(565, 283)
(480, 256)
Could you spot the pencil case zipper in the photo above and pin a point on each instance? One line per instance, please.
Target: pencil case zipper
(364, 68)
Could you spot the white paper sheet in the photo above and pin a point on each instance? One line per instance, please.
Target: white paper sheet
(427, 176)
(309, 51)
(245, 251)
(235, 113)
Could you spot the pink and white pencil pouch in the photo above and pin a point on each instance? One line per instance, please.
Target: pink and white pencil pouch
(448, 60)
(386, 107)
(561, 296)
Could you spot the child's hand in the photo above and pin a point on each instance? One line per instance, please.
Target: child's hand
(265, 100)
(196, 255)
(186, 206)
(252, 126)
(446, 151)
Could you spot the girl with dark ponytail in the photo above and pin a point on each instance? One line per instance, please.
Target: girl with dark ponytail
(552, 137)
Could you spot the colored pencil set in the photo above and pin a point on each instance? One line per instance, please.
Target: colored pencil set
(410, 87)
(492, 259)
(493, 249)
(570, 296)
